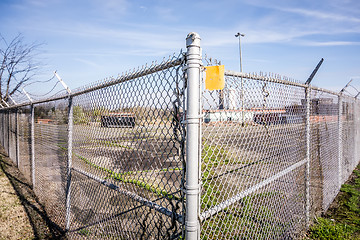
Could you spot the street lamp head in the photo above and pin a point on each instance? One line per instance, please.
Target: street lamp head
(239, 34)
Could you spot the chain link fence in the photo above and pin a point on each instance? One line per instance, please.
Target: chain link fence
(253, 160)
(274, 153)
(107, 161)
(153, 154)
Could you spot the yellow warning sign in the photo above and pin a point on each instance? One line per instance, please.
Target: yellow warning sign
(215, 77)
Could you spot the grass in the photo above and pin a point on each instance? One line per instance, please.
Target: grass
(246, 218)
(342, 220)
(122, 178)
(325, 229)
(84, 232)
(125, 177)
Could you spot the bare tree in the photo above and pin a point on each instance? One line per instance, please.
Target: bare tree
(17, 64)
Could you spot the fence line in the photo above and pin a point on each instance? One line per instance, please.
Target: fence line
(302, 113)
(154, 154)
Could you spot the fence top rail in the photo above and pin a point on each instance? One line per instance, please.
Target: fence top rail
(327, 91)
(276, 80)
(172, 62)
(263, 78)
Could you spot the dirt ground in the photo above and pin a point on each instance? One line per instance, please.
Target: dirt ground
(21, 214)
(14, 223)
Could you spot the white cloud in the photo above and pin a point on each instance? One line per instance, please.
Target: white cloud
(87, 62)
(165, 13)
(320, 14)
(330, 43)
(111, 8)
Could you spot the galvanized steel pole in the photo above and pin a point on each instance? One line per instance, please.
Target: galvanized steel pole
(3, 128)
(192, 188)
(340, 141)
(68, 185)
(8, 131)
(307, 166)
(32, 141)
(17, 137)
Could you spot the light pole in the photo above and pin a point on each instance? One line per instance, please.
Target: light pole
(239, 35)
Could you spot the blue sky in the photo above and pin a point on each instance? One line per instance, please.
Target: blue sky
(86, 41)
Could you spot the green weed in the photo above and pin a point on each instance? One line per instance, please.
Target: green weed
(325, 229)
(342, 222)
(124, 177)
(84, 232)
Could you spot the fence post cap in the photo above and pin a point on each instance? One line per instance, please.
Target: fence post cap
(193, 39)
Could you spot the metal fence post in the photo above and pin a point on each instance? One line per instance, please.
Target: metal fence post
(17, 148)
(68, 184)
(307, 166)
(340, 141)
(32, 142)
(193, 58)
(3, 128)
(8, 132)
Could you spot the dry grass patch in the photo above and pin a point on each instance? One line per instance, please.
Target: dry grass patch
(22, 215)
(14, 223)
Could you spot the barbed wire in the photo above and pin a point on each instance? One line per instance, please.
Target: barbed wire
(55, 94)
(350, 94)
(45, 81)
(354, 88)
(42, 95)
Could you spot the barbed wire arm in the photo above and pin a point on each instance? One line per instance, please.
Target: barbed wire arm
(6, 104)
(27, 95)
(63, 83)
(308, 81)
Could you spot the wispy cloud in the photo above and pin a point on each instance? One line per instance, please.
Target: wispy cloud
(166, 13)
(320, 14)
(150, 37)
(111, 8)
(330, 43)
(258, 35)
(87, 62)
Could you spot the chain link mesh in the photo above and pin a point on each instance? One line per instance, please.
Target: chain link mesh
(324, 143)
(51, 162)
(12, 135)
(252, 137)
(128, 159)
(349, 124)
(24, 137)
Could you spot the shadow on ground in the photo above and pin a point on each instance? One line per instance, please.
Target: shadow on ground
(42, 226)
